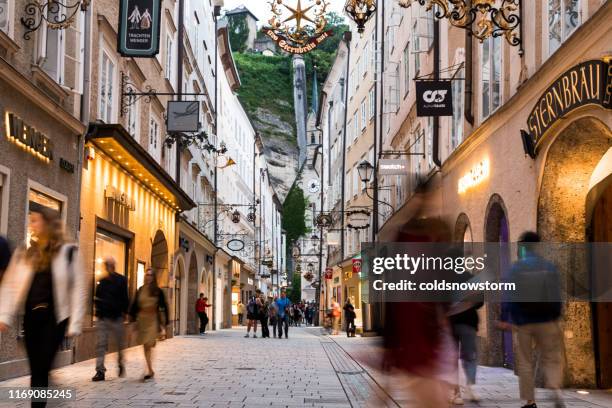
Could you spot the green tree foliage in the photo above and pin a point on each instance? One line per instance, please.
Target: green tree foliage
(294, 293)
(294, 215)
(238, 32)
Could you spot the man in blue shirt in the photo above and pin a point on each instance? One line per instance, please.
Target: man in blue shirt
(282, 305)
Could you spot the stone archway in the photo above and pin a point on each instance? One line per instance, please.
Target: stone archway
(178, 293)
(562, 217)
(159, 259)
(499, 346)
(192, 294)
(463, 229)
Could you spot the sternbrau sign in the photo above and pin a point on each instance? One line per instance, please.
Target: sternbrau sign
(584, 84)
(139, 28)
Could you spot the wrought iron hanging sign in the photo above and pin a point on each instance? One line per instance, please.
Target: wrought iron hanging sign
(307, 32)
(360, 11)
(55, 14)
(139, 22)
(481, 17)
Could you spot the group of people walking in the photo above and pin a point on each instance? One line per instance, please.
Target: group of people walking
(44, 282)
(265, 313)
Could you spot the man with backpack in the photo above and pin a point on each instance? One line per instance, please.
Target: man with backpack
(253, 310)
(535, 319)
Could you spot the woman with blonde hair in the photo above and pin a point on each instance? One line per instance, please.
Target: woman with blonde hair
(46, 279)
(150, 311)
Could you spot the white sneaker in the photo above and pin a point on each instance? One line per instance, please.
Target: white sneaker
(470, 394)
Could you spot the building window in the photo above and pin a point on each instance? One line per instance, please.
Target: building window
(107, 89)
(374, 51)
(133, 115)
(355, 125)
(491, 65)
(564, 17)
(38, 200)
(169, 51)
(415, 47)
(429, 136)
(372, 103)
(154, 141)
(364, 117)
(406, 69)
(458, 109)
(5, 15)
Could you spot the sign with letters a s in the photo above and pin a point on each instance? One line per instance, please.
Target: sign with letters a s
(434, 98)
(139, 22)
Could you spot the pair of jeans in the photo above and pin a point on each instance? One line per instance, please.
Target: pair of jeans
(109, 327)
(273, 324)
(465, 336)
(265, 330)
(43, 337)
(240, 318)
(546, 339)
(203, 321)
(283, 322)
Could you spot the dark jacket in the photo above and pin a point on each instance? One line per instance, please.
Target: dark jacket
(162, 306)
(111, 298)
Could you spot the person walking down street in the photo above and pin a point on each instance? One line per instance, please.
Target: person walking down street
(273, 315)
(253, 314)
(111, 301)
(201, 305)
(241, 312)
(535, 321)
(336, 312)
(283, 305)
(349, 316)
(263, 317)
(150, 311)
(47, 279)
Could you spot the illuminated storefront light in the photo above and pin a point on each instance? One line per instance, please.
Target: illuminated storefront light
(475, 176)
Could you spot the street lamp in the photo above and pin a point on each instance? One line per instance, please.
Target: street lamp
(365, 170)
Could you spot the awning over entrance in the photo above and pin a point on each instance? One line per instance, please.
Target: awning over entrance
(116, 143)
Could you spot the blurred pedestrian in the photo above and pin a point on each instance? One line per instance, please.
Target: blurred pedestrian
(48, 279)
(253, 314)
(336, 312)
(273, 315)
(201, 305)
(241, 312)
(283, 305)
(263, 317)
(349, 316)
(111, 302)
(150, 311)
(535, 320)
(5, 255)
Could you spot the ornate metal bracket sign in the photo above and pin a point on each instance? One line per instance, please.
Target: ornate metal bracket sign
(139, 22)
(482, 18)
(299, 38)
(55, 14)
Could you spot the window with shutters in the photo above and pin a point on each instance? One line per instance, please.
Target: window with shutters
(6, 12)
(415, 47)
(372, 103)
(490, 72)
(458, 106)
(107, 88)
(154, 142)
(356, 181)
(406, 69)
(51, 47)
(355, 125)
(169, 59)
(564, 16)
(364, 115)
(133, 115)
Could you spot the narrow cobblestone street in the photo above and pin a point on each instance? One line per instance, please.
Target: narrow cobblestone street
(224, 369)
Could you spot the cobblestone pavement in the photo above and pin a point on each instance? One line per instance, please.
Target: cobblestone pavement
(224, 369)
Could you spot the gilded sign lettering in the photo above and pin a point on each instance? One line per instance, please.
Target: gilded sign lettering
(28, 137)
(587, 83)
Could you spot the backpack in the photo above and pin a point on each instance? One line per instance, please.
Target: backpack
(252, 307)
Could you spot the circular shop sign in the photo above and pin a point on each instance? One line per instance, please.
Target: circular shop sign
(235, 244)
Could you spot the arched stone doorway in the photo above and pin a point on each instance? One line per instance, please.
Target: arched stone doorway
(179, 275)
(500, 347)
(192, 294)
(564, 215)
(159, 259)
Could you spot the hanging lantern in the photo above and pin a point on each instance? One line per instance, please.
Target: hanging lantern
(235, 217)
(360, 11)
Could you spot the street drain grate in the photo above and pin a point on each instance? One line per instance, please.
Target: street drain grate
(174, 393)
(164, 402)
(350, 372)
(245, 368)
(325, 400)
